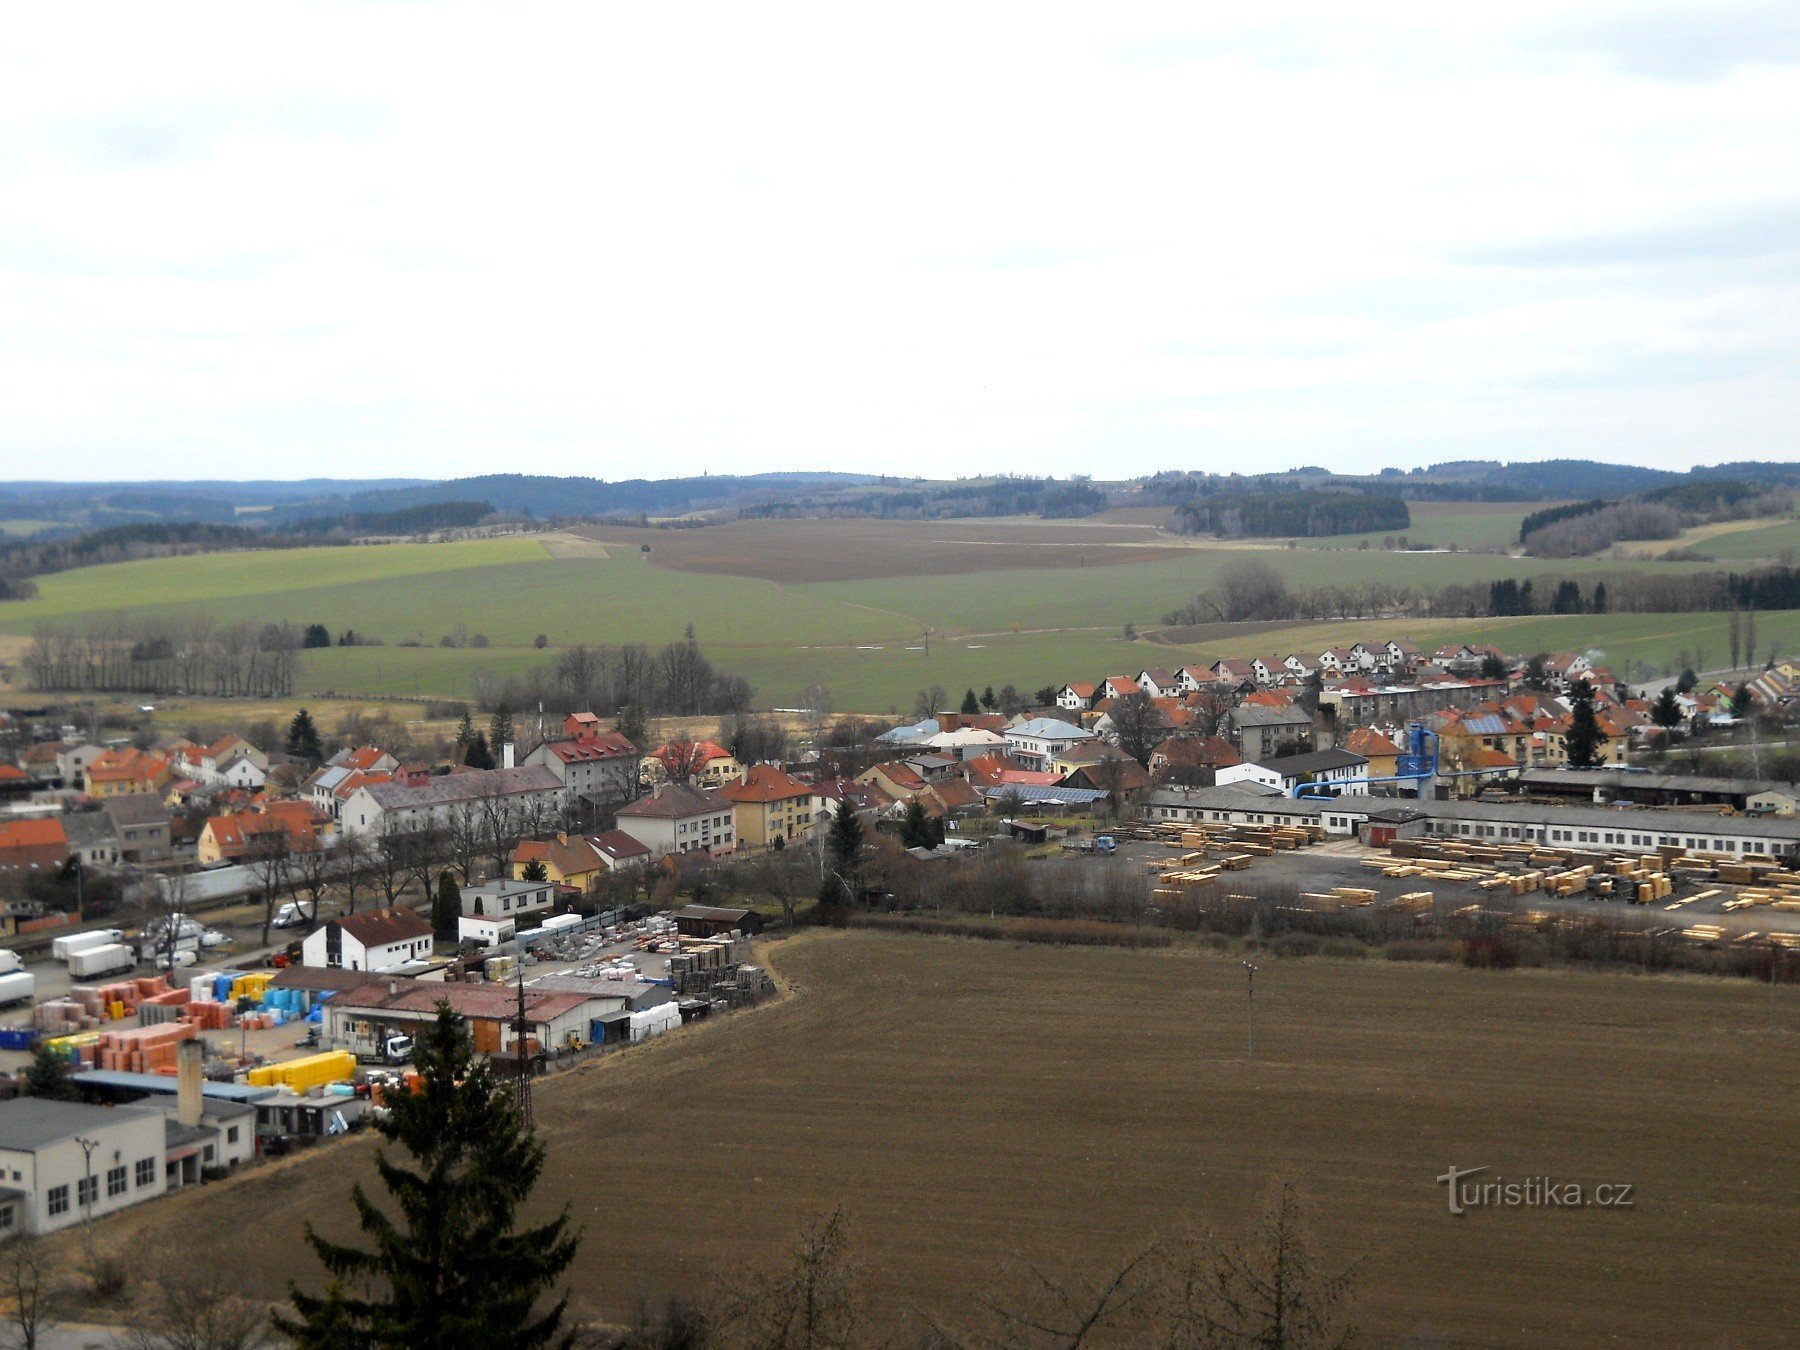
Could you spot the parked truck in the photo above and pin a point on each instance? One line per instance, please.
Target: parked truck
(1100, 843)
(10, 964)
(94, 963)
(63, 948)
(18, 986)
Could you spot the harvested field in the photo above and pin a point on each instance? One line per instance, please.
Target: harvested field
(964, 1099)
(858, 550)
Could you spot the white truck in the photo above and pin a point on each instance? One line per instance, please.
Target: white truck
(94, 963)
(18, 986)
(10, 964)
(63, 948)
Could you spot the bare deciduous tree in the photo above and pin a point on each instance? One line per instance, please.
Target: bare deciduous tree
(33, 1287)
(812, 1302)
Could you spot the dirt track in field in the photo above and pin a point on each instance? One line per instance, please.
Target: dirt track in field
(966, 1099)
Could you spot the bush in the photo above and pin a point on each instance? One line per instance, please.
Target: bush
(1421, 949)
(1488, 953)
(1296, 944)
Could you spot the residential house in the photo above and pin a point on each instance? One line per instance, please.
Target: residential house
(1121, 778)
(680, 818)
(245, 836)
(572, 860)
(528, 797)
(772, 808)
(504, 899)
(230, 761)
(72, 763)
(868, 800)
(141, 823)
(1381, 752)
(14, 782)
(951, 797)
(117, 773)
(364, 759)
(375, 940)
(92, 840)
(36, 847)
(601, 767)
(619, 850)
(1159, 682)
(1115, 686)
(1036, 743)
(704, 764)
(1076, 697)
(1209, 753)
(896, 779)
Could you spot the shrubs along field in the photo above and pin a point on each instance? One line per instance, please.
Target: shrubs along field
(969, 1103)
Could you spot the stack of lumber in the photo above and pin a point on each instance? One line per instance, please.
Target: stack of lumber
(1703, 932)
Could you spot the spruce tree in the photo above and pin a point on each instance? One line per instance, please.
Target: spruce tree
(970, 704)
(1584, 731)
(448, 1267)
(500, 728)
(915, 827)
(303, 738)
(843, 851)
(46, 1076)
(478, 756)
(1666, 712)
(446, 905)
(988, 701)
(465, 736)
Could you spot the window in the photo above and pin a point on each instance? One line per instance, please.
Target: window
(231, 1135)
(146, 1172)
(59, 1200)
(115, 1181)
(6, 1218)
(86, 1189)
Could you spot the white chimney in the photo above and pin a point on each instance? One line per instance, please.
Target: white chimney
(506, 755)
(190, 1055)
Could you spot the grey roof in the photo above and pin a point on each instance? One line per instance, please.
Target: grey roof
(1318, 761)
(1027, 794)
(629, 990)
(28, 1124)
(1695, 823)
(451, 788)
(1049, 729)
(504, 886)
(85, 829)
(137, 808)
(1238, 797)
(1655, 782)
(161, 1084)
(1256, 715)
(675, 801)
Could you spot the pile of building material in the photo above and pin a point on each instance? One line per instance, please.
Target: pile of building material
(142, 1049)
(304, 1074)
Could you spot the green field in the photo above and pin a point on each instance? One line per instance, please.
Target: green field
(1762, 542)
(872, 641)
(1467, 525)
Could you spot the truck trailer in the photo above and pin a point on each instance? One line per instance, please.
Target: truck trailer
(19, 986)
(63, 948)
(115, 958)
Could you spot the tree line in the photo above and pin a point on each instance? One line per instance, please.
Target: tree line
(678, 680)
(165, 654)
(1302, 513)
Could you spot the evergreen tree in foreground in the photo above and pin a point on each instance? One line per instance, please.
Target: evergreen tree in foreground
(1584, 731)
(47, 1076)
(449, 1270)
(303, 738)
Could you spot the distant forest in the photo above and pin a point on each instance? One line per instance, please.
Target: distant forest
(1301, 514)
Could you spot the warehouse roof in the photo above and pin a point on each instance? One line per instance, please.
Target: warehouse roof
(28, 1124)
(450, 788)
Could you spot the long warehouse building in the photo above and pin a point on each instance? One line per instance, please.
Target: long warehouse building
(1527, 822)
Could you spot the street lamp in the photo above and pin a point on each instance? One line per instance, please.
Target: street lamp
(87, 1190)
(1250, 1008)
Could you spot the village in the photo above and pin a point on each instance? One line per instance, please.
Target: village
(217, 953)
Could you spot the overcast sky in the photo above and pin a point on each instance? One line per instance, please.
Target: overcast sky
(642, 240)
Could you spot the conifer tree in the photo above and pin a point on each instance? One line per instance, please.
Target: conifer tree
(448, 1267)
(843, 852)
(303, 738)
(478, 756)
(1584, 731)
(446, 905)
(500, 728)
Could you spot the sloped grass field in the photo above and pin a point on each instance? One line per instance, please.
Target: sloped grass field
(967, 1100)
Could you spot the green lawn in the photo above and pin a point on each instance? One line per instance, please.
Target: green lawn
(1468, 525)
(1765, 542)
(20, 529)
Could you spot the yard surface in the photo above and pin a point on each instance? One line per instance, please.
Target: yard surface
(964, 1100)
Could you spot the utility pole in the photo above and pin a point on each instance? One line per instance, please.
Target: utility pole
(1775, 951)
(1250, 1009)
(87, 1191)
(521, 1029)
